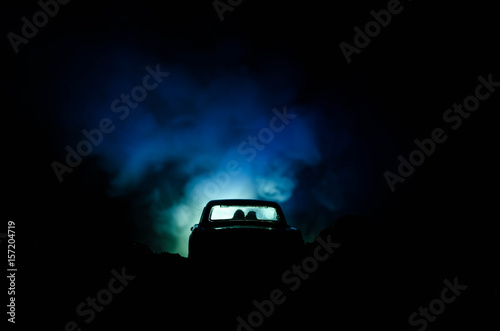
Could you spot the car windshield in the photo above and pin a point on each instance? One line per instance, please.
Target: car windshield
(243, 213)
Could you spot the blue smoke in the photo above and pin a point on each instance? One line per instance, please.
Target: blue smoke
(190, 141)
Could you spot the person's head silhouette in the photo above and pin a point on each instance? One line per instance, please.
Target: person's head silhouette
(251, 215)
(239, 215)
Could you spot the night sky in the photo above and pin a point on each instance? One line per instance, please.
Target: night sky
(124, 118)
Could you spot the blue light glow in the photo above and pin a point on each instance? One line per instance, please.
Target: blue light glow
(179, 148)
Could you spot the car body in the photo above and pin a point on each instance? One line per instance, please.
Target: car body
(242, 229)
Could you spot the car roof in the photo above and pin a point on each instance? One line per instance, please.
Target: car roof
(243, 202)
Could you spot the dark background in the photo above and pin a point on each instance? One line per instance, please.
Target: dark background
(440, 224)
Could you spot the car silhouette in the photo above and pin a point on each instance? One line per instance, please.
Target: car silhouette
(242, 229)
